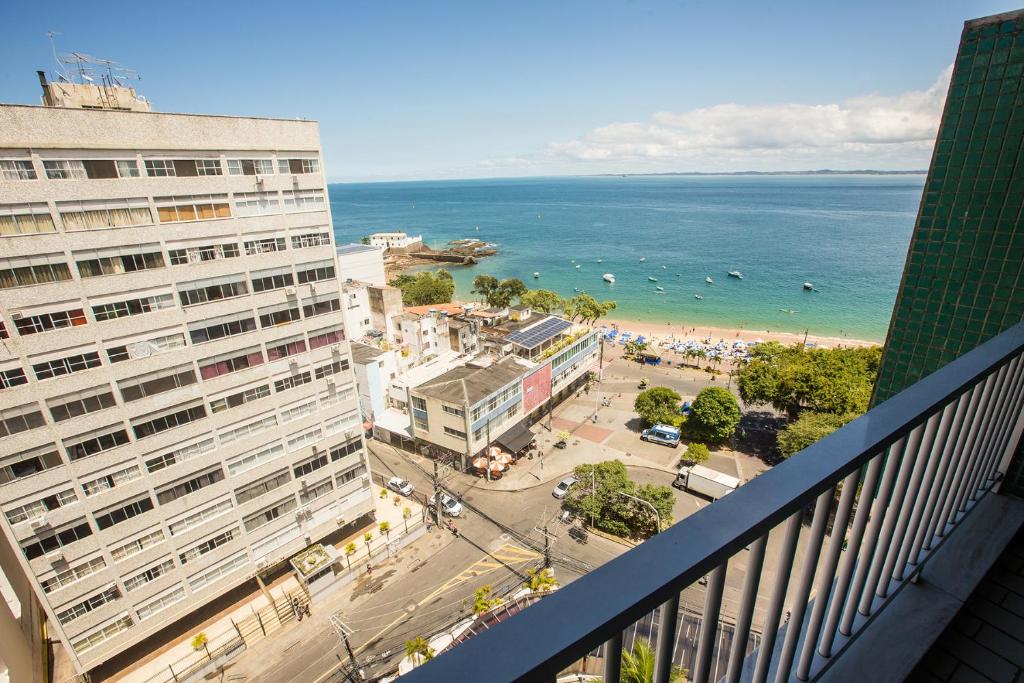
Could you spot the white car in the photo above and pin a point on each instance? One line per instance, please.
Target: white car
(399, 485)
(563, 487)
(449, 505)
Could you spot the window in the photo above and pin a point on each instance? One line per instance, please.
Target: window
(116, 262)
(147, 575)
(122, 309)
(453, 410)
(256, 203)
(315, 491)
(3, 331)
(112, 213)
(66, 366)
(41, 506)
(160, 603)
(249, 429)
(89, 604)
(20, 419)
(143, 349)
(320, 306)
(208, 252)
(191, 485)
(250, 166)
(219, 570)
(58, 539)
(326, 336)
(286, 347)
(195, 519)
(38, 269)
(278, 314)
(331, 368)
(341, 423)
(25, 219)
(267, 280)
(227, 363)
(239, 398)
(347, 448)
(64, 170)
(158, 382)
(311, 465)
(292, 381)
(212, 329)
(255, 459)
(73, 574)
(81, 403)
(180, 454)
(315, 272)
(17, 169)
(105, 633)
(298, 166)
(200, 207)
(91, 443)
(127, 168)
(45, 322)
(123, 512)
(213, 289)
(109, 481)
(208, 545)
(312, 239)
(209, 167)
(175, 417)
(159, 168)
(300, 440)
(12, 378)
(350, 474)
(136, 546)
(27, 463)
(264, 246)
(454, 432)
(268, 515)
(297, 411)
(303, 200)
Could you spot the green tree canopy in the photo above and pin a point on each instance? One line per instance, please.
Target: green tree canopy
(498, 293)
(484, 285)
(808, 428)
(792, 378)
(425, 287)
(657, 405)
(543, 300)
(586, 308)
(697, 453)
(611, 511)
(634, 348)
(714, 415)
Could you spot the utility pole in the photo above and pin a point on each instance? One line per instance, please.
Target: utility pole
(343, 632)
(547, 549)
(437, 497)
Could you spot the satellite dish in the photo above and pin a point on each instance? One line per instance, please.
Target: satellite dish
(140, 350)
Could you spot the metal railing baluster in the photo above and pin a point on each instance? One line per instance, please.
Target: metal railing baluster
(772, 616)
(613, 657)
(938, 465)
(970, 447)
(745, 616)
(709, 626)
(667, 620)
(997, 400)
(1011, 412)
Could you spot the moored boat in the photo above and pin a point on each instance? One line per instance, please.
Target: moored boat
(808, 286)
(608, 277)
(736, 274)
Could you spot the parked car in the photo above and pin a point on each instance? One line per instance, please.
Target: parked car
(399, 485)
(562, 487)
(449, 505)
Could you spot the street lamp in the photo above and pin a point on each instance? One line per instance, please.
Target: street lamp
(648, 504)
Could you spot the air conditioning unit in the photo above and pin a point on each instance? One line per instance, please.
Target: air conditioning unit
(56, 558)
(293, 361)
(330, 381)
(39, 523)
(291, 292)
(261, 565)
(17, 315)
(335, 348)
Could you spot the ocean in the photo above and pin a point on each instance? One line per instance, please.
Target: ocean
(847, 235)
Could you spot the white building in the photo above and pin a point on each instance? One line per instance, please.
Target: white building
(177, 406)
(362, 263)
(395, 240)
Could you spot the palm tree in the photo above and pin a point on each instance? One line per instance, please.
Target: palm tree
(350, 550)
(385, 528)
(540, 581)
(367, 537)
(638, 665)
(419, 647)
(482, 600)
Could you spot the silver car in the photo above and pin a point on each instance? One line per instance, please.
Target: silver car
(449, 505)
(563, 487)
(399, 485)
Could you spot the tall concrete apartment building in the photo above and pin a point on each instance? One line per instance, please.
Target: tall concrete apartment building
(177, 408)
(964, 277)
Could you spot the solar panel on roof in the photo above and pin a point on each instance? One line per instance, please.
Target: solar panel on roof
(538, 334)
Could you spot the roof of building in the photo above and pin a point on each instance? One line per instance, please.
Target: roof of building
(533, 336)
(450, 309)
(473, 382)
(364, 353)
(354, 248)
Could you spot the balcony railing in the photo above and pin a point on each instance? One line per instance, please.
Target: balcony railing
(882, 495)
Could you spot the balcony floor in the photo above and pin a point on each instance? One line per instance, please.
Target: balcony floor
(985, 641)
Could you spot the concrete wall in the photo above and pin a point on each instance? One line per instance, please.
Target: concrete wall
(363, 266)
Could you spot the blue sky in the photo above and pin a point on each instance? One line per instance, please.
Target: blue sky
(411, 90)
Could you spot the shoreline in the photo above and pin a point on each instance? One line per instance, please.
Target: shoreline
(728, 334)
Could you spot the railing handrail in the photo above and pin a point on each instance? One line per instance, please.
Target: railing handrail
(543, 640)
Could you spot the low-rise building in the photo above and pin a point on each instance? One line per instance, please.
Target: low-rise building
(362, 263)
(396, 240)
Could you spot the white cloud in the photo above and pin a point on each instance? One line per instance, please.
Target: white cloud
(872, 131)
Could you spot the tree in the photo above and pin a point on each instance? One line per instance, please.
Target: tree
(714, 414)
(406, 516)
(350, 550)
(696, 453)
(543, 300)
(638, 665)
(385, 528)
(425, 288)
(808, 428)
(663, 498)
(200, 642)
(586, 308)
(634, 348)
(611, 511)
(657, 405)
(367, 537)
(792, 379)
(365, 240)
(419, 650)
(482, 600)
(484, 285)
(540, 580)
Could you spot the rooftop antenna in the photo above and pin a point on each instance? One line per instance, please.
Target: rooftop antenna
(60, 70)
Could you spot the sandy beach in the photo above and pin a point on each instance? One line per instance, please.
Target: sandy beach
(701, 332)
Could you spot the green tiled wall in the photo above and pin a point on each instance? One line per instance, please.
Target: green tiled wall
(964, 277)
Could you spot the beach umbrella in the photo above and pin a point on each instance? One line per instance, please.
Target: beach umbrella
(497, 467)
(480, 463)
(503, 458)
(494, 452)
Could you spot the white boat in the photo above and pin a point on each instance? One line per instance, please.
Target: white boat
(608, 277)
(536, 275)
(808, 286)
(736, 274)
(698, 296)
(577, 266)
(664, 267)
(642, 259)
(709, 280)
(652, 278)
(600, 260)
(660, 290)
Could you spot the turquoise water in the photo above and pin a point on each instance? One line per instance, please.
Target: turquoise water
(848, 235)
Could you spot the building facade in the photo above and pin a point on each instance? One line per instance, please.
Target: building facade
(177, 405)
(395, 240)
(963, 282)
(362, 263)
